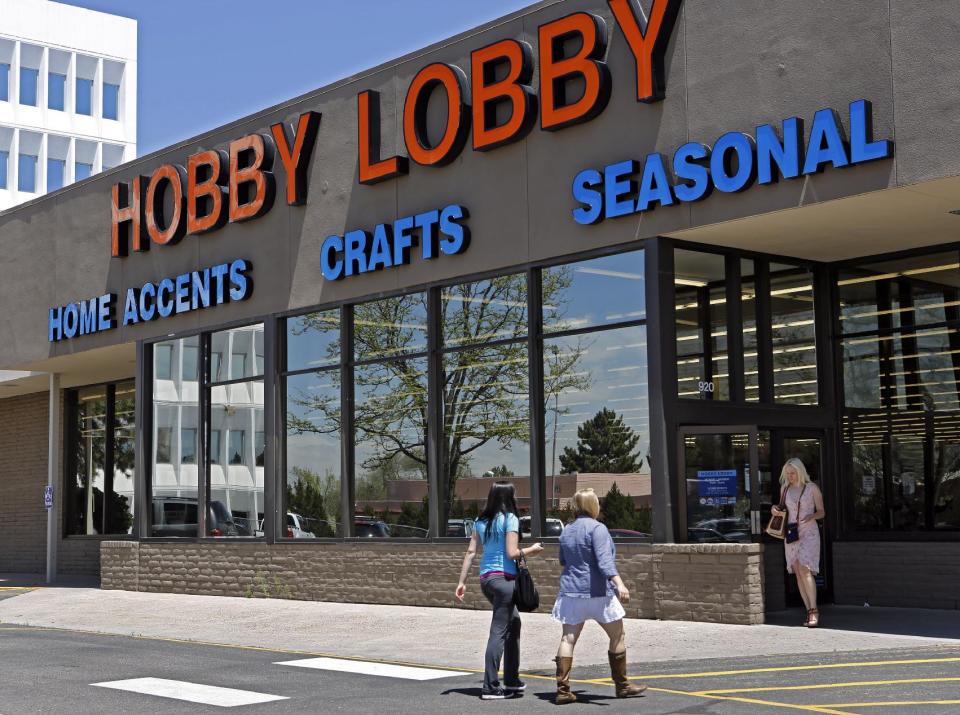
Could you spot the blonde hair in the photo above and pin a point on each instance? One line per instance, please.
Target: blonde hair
(803, 477)
(586, 503)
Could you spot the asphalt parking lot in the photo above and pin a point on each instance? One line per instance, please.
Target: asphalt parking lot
(61, 671)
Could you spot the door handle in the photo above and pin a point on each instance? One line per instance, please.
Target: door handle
(755, 521)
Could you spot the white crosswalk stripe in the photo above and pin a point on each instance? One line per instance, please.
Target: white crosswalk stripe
(191, 692)
(386, 670)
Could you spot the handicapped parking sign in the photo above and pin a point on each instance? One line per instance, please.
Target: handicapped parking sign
(48, 496)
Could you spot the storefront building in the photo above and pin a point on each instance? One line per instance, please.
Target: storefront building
(654, 252)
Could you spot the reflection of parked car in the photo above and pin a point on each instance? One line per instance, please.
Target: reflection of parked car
(553, 527)
(398, 531)
(177, 516)
(370, 527)
(698, 535)
(733, 529)
(297, 527)
(460, 527)
(628, 533)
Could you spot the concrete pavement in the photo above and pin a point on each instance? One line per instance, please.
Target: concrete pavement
(454, 637)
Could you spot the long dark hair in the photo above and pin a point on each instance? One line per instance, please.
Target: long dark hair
(500, 500)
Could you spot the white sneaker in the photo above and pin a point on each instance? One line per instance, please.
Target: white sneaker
(497, 694)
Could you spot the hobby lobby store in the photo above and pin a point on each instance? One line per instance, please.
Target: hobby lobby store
(655, 248)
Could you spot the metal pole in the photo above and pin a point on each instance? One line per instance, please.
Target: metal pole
(53, 442)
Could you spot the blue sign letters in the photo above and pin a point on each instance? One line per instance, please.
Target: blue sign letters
(734, 163)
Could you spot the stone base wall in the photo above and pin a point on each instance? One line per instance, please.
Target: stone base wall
(917, 575)
(699, 582)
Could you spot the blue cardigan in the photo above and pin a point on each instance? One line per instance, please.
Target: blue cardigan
(587, 555)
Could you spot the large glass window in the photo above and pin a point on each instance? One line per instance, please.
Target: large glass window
(700, 281)
(56, 169)
(4, 163)
(900, 348)
(793, 335)
(175, 471)
(82, 170)
(390, 421)
(111, 101)
(29, 81)
(601, 291)
(56, 90)
(596, 410)
(4, 82)
(312, 456)
(486, 403)
(390, 417)
(84, 96)
(775, 335)
(100, 460)
(27, 173)
(236, 488)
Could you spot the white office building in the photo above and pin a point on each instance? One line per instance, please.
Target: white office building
(68, 96)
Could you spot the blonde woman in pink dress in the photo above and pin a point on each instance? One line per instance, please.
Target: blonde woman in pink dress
(804, 504)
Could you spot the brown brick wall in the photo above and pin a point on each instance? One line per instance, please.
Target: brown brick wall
(919, 575)
(701, 582)
(23, 475)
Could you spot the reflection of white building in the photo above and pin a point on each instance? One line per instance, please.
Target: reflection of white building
(68, 96)
(236, 442)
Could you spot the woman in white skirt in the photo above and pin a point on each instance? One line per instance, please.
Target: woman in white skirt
(590, 589)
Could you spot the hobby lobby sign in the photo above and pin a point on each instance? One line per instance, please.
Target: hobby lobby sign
(497, 102)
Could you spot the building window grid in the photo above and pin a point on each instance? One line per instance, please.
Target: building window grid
(340, 368)
(162, 352)
(873, 503)
(757, 349)
(29, 86)
(433, 357)
(116, 510)
(56, 91)
(346, 360)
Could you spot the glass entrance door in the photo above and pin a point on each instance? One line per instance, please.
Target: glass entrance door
(808, 447)
(720, 470)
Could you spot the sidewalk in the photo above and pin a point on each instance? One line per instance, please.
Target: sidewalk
(449, 636)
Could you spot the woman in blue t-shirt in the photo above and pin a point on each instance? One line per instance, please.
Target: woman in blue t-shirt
(498, 529)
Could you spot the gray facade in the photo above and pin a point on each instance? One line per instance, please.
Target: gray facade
(729, 67)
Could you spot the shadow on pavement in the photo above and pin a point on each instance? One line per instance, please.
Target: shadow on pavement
(582, 697)
(928, 623)
(33, 580)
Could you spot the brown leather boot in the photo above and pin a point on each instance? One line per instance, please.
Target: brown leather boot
(618, 671)
(564, 694)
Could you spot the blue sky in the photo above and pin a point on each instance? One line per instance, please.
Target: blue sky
(304, 44)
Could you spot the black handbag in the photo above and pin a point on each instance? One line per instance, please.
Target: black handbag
(525, 595)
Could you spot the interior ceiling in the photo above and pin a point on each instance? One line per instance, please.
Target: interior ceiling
(116, 362)
(865, 225)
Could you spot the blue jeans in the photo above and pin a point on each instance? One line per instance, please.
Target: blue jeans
(504, 639)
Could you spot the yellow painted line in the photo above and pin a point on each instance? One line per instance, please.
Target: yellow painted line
(897, 702)
(826, 709)
(791, 668)
(19, 588)
(827, 686)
